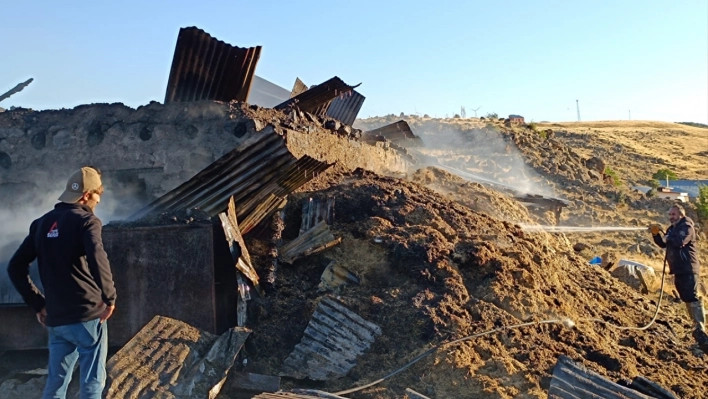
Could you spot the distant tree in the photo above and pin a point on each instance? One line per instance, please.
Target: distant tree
(653, 183)
(492, 115)
(662, 174)
(457, 116)
(702, 202)
(402, 115)
(694, 124)
(426, 116)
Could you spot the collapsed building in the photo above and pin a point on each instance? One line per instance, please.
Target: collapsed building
(145, 153)
(190, 182)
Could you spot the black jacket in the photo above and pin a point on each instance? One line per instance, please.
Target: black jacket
(73, 266)
(681, 247)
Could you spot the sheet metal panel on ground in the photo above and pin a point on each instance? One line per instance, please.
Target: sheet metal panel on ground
(205, 68)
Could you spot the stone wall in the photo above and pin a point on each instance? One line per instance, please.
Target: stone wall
(148, 151)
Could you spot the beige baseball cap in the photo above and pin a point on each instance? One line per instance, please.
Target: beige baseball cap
(82, 181)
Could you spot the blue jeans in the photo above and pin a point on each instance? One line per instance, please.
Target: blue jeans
(86, 342)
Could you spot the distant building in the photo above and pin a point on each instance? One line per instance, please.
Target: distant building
(516, 119)
(691, 187)
(667, 192)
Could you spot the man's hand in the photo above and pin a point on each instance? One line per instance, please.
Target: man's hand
(107, 313)
(655, 229)
(42, 317)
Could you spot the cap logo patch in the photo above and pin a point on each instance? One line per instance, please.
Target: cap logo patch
(75, 186)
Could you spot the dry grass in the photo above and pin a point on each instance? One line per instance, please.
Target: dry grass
(640, 148)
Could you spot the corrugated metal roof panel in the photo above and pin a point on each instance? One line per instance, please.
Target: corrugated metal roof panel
(316, 100)
(399, 131)
(346, 107)
(205, 68)
(573, 381)
(334, 338)
(258, 168)
(169, 358)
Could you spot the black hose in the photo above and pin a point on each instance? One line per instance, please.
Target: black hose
(564, 321)
(658, 305)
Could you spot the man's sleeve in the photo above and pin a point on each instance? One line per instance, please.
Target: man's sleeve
(18, 270)
(98, 260)
(677, 238)
(658, 241)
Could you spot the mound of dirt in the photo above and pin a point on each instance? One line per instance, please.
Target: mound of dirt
(431, 269)
(473, 195)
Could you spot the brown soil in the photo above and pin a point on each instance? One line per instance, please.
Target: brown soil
(433, 269)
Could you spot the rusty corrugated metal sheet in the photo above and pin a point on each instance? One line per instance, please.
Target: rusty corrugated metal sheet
(574, 381)
(258, 168)
(346, 107)
(316, 100)
(171, 359)
(334, 338)
(399, 133)
(205, 68)
(298, 87)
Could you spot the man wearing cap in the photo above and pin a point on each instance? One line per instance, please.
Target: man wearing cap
(79, 295)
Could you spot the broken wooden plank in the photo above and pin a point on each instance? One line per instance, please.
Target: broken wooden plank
(574, 381)
(315, 240)
(266, 207)
(239, 252)
(171, 359)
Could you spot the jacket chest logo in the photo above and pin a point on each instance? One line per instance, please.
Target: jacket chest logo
(53, 231)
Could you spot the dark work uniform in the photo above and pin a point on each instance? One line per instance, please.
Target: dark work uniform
(682, 258)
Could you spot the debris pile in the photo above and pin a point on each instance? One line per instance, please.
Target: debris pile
(433, 270)
(270, 251)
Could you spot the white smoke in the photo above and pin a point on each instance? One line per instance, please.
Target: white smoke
(479, 154)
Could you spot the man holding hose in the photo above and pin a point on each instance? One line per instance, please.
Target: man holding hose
(680, 243)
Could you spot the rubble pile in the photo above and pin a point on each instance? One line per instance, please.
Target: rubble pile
(283, 249)
(433, 270)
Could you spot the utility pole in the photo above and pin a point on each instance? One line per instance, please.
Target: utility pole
(577, 105)
(630, 114)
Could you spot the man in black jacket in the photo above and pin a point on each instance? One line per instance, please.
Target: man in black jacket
(79, 295)
(680, 244)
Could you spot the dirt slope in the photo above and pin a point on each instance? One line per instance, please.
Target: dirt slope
(432, 269)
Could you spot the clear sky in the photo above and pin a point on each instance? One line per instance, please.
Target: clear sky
(528, 57)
